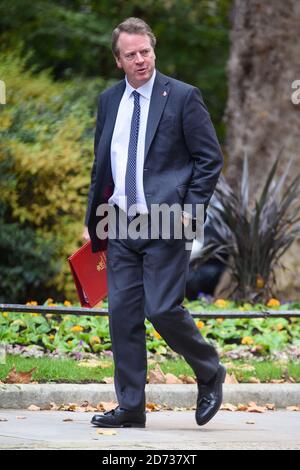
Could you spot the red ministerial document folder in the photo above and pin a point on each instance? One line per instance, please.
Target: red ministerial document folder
(89, 273)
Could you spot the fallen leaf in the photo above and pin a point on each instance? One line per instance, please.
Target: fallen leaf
(108, 380)
(46, 407)
(275, 381)
(156, 376)
(229, 365)
(254, 408)
(153, 407)
(106, 405)
(254, 380)
(15, 377)
(53, 406)
(270, 406)
(106, 432)
(67, 420)
(250, 422)
(172, 379)
(21, 417)
(231, 379)
(2, 420)
(187, 379)
(33, 408)
(228, 407)
(293, 408)
(242, 407)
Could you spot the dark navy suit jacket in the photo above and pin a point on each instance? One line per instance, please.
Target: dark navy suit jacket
(183, 158)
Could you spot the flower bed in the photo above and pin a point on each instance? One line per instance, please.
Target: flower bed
(72, 334)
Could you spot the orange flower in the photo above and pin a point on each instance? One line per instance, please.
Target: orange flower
(221, 303)
(67, 303)
(157, 335)
(248, 340)
(200, 324)
(273, 303)
(77, 329)
(95, 340)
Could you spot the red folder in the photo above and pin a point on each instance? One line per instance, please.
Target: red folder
(89, 273)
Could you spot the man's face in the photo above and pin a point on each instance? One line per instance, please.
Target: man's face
(136, 58)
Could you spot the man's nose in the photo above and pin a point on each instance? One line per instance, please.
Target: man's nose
(139, 58)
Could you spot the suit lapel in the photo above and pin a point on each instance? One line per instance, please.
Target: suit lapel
(160, 94)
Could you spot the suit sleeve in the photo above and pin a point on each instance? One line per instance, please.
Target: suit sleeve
(98, 131)
(203, 145)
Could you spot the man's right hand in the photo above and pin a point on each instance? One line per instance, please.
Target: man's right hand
(85, 235)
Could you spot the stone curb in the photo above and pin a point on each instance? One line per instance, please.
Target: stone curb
(22, 396)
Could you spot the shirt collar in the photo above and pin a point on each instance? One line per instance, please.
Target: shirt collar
(144, 90)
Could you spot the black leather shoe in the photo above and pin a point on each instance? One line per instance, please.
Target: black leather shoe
(210, 397)
(119, 418)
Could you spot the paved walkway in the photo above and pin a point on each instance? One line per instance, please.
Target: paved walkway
(165, 430)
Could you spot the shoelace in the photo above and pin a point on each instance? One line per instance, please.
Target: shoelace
(111, 412)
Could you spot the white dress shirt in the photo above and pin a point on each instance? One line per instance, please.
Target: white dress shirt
(120, 143)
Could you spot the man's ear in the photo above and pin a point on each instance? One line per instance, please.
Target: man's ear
(119, 65)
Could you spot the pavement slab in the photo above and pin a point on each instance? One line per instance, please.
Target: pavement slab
(165, 430)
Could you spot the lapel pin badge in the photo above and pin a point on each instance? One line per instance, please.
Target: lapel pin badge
(165, 93)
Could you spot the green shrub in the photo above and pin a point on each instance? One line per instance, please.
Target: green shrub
(46, 145)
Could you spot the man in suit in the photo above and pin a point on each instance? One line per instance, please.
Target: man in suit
(154, 144)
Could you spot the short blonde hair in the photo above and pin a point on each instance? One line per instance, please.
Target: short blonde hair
(131, 26)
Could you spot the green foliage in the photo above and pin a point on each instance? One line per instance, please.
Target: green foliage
(26, 262)
(46, 145)
(70, 333)
(73, 39)
(254, 235)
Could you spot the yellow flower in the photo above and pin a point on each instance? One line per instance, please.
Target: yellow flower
(248, 340)
(95, 340)
(273, 303)
(51, 304)
(32, 302)
(67, 303)
(247, 306)
(51, 337)
(70, 342)
(221, 303)
(5, 314)
(200, 324)
(36, 314)
(220, 320)
(260, 283)
(157, 335)
(279, 326)
(76, 329)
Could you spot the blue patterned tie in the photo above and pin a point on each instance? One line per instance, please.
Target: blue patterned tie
(130, 178)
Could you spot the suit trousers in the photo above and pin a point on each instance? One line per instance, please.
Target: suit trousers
(146, 279)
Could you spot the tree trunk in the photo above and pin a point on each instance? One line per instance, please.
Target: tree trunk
(261, 118)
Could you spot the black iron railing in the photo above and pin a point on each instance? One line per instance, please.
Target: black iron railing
(44, 309)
